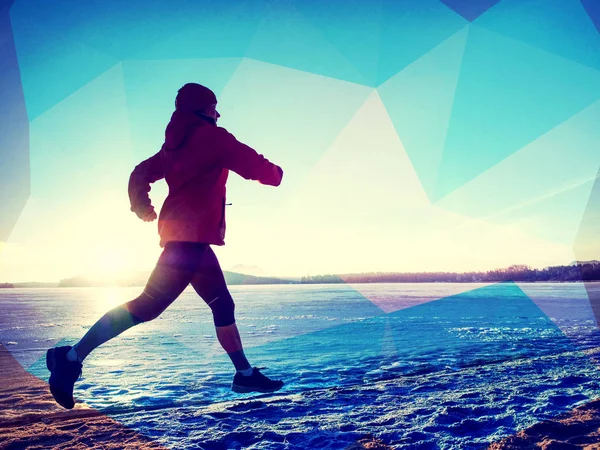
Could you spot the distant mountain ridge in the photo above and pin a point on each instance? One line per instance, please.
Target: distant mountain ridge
(574, 271)
(248, 269)
(140, 279)
(28, 284)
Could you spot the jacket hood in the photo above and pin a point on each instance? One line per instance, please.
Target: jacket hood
(180, 128)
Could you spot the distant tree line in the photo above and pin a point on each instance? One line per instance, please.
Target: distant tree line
(583, 271)
(576, 272)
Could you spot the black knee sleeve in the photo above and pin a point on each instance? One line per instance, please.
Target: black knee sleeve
(146, 307)
(223, 310)
(119, 318)
(136, 320)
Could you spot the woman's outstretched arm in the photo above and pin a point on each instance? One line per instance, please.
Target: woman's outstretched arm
(144, 174)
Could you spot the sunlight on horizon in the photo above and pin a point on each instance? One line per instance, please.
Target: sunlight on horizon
(348, 204)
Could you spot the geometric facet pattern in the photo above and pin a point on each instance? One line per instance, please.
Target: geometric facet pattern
(556, 26)
(415, 135)
(419, 102)
(508, 94)
(587, 244)
(14, 132)
(466, 85)
(544, 187)
(592, 7)
(470, 10)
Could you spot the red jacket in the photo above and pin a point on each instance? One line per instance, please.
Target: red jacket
(195, 161)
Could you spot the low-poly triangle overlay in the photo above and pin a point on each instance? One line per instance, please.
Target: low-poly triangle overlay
(592, 7)
(557, 26)
(14, 132)
(205, 29)
(554, 218)
(571, 311)
(562, 162)
(419, 101)
(288, 115)
(477, 326)
(376, 197)
(95, 157)
(485, 331)
(409, 30)
(53, 62)
(469, 9)
(390, 301)
(506, 97)
(30, 416)
(287, 38)
(353, 26)
(5, 5)
(587, 247)
(515, 83)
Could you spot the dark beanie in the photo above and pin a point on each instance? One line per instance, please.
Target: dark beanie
(194, 97)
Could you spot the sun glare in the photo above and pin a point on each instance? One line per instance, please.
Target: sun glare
(109, 297)
(106, 262)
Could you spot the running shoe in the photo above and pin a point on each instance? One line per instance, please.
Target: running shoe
(257, 382)
(63, 375)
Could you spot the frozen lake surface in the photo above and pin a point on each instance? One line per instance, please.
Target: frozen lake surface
(416, 365)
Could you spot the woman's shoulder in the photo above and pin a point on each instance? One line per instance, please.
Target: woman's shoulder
(213, 135)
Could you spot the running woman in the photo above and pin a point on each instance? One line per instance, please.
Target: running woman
(195, 161)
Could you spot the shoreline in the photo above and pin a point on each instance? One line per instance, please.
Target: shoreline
(578, 428)
(31, 418)
(316, 284)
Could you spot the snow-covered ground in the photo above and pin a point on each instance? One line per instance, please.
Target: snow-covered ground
(382, 360)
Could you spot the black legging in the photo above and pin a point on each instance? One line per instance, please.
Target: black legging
(180, 264)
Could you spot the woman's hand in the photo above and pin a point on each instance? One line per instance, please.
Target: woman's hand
(148, 214)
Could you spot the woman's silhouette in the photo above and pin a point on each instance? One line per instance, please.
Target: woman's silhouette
(195, 161)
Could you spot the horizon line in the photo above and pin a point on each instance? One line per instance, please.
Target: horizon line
(291, 277)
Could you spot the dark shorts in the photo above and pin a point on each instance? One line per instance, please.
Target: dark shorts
(181, 264)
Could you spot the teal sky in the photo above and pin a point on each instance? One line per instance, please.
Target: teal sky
(475, 148)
